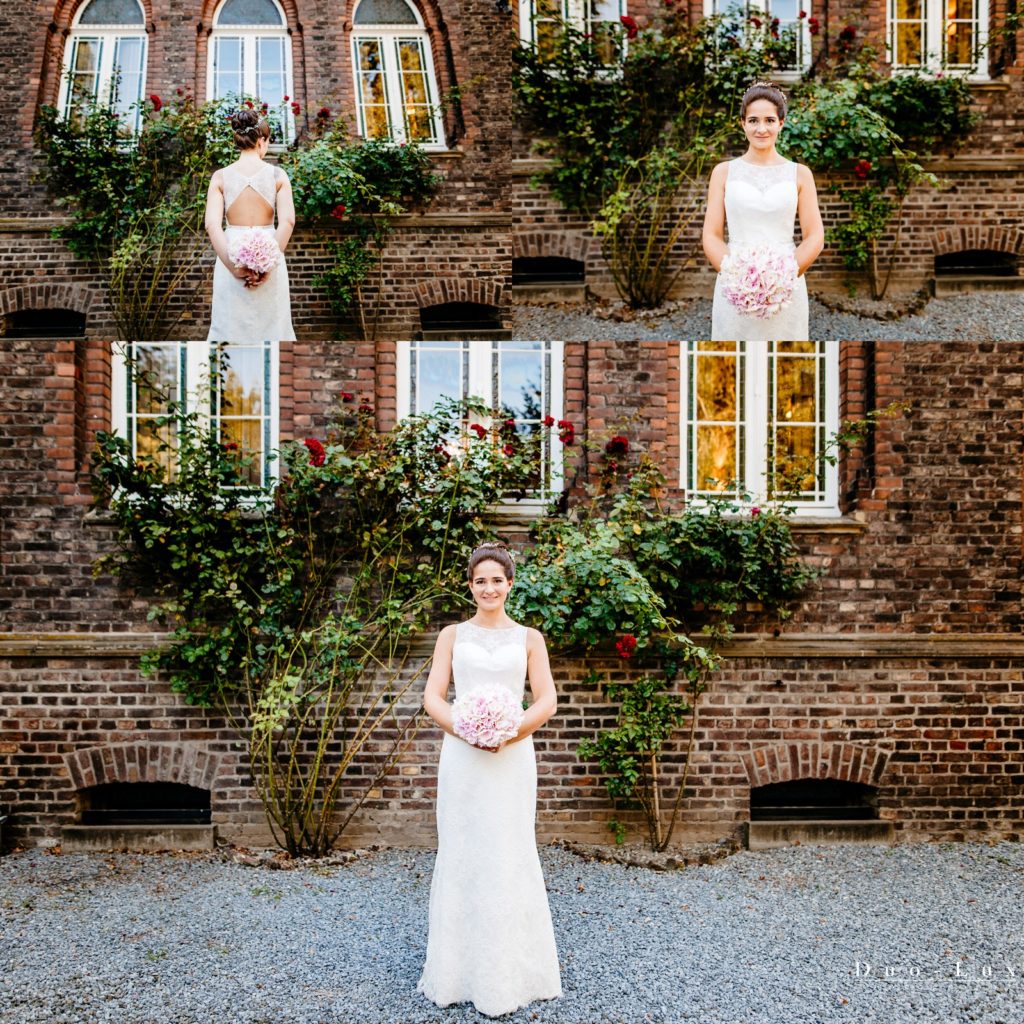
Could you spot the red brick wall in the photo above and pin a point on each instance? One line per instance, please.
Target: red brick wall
(935, 566)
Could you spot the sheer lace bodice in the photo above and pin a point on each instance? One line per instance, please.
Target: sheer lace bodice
(482, 655)
(760, 203)
(263, 182)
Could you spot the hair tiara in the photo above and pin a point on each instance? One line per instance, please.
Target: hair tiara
(501, 546)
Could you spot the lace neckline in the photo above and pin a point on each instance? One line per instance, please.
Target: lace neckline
(492, 629)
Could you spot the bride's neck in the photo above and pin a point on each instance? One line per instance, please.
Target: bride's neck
(766, 159)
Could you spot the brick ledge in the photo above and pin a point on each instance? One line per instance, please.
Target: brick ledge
(743, 645)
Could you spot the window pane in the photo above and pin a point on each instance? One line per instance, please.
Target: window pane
(154, 382)
(716, 388)
(155, 371)
(520, 394)
(242, 386)
(373, 88)
(715, 432)
(716, 458)
(795, 459)
(270, 83)
(249, 12)
(384, 12)
(437, 372)
(129, 52)
(416, 91)
(227, 67)
(794, 395)
(797, 428)
(85, 68)
(247, 437)
(112, 12)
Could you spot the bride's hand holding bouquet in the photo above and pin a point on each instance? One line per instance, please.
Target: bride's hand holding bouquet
(487, 717)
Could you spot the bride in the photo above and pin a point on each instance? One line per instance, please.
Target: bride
(490, 937)
(249, 306)
(759, 194)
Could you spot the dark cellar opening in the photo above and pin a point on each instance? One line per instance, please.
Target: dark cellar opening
(145, 803)
(814, 800)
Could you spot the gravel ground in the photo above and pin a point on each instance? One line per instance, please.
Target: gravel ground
(756, 937)
(981, 316)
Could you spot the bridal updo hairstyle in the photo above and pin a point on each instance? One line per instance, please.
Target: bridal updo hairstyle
(249, 127)
(498, 552)
(764, 91)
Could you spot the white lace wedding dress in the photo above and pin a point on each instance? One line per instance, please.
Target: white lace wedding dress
(760, 209)
(238, 313)
(491, 939)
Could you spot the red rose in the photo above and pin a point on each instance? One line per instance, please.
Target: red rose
(509, 449)
(316, 451)
(480, 431)
(755, 512)
(848, 34)
(323, 113)
(862, 168)
(347, 396)
(296, 108)
(156, 101)
(756, 22)
(630, 25)
(365, 408)
(618, 445)
(813, 26)
(549, 421)
(338, 213)
(284, 99)
(775, 22)
(802, 14)
(248, 103)
(626, 646)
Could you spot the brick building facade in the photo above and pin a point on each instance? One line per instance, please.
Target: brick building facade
(464, 246)
(900, 671)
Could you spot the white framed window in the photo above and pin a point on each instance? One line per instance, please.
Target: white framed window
(105, 59)
(522, 379)
(925, 35)
(250, 56)
(154, 382)
(793, 25)
(396, 89)
(756, 419)
(541, 21)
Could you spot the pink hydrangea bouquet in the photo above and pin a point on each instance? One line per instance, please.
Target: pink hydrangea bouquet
(256, 251)
(759, 280)
(487, 715)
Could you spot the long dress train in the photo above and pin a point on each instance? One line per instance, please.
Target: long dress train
(760, 209)
(491, 939)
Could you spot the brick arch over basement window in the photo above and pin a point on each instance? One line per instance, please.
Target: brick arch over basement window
(186, 763)
(786, 762)
(570, 245)
(57, 33)
(45, 296)
(440, 290)
(978, 236)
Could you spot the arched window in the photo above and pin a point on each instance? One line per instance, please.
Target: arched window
(395, 84)
(105, 58)
(250, 55)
